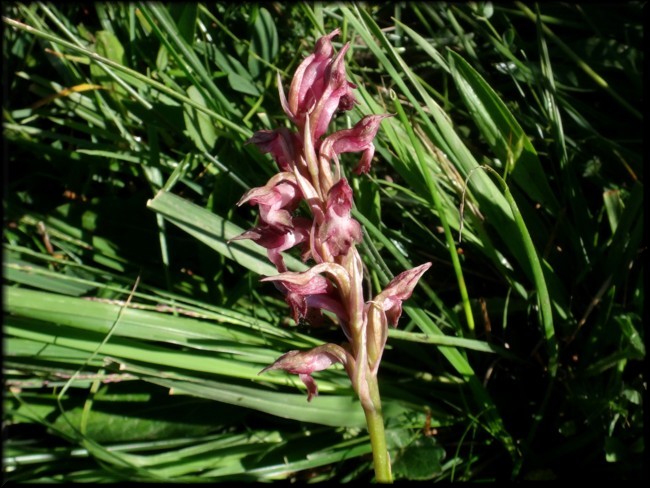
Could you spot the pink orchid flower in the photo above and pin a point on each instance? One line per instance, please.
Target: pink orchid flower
(275, 240)
(358, 138)
(399, 289)
(339, 230)
(280, 143)
(387, 308)
(276, 199)
(310, 290)
(304, 363)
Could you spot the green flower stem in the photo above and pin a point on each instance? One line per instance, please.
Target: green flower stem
(375, 421)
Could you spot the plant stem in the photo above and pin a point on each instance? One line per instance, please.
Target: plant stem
(375, 421)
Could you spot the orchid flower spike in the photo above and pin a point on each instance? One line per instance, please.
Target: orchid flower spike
(333, 286)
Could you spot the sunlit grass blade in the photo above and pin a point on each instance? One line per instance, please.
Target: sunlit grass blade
(503, 133)
(490, 200)
(434, 192)
(216, 232)
(162, 25)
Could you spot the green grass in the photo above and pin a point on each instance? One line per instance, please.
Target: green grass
(133, 333)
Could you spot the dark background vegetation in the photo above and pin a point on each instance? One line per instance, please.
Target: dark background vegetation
(88, 376)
